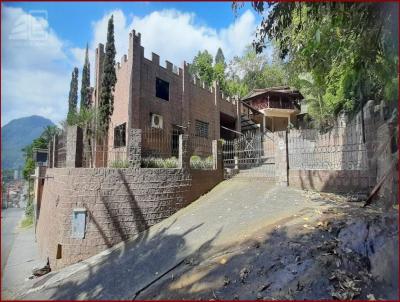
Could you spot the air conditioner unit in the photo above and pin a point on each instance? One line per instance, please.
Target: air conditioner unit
(156, 121)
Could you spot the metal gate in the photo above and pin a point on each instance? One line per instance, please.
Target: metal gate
(251, 155)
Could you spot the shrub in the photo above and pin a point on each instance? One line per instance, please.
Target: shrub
(152, 162)
(196, 162)
(29, 212)
(119, 163)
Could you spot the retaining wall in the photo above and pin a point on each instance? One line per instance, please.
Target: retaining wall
(119, 204)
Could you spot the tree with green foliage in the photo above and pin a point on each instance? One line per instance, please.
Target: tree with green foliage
(73, 96)
(29, 167)
(109, 80)
(85, 87)
(344, 53)
(41, 142)
(252, 70)
(49, 132)
(219, 57)
(202, 67)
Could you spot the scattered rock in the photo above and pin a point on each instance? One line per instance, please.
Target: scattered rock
(244, 273)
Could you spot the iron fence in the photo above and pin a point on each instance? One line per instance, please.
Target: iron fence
(160, 143)
(200, 146)
(105, 156)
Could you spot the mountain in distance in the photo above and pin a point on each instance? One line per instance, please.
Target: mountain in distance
(17, 134)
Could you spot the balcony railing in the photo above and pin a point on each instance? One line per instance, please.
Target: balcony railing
(277, 105)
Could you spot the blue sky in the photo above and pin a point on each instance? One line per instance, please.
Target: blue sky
(42, 42)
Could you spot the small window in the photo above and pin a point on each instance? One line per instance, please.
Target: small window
(162, 89)
(120, 136)
(201, 129)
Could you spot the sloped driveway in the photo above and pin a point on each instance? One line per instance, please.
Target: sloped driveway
(232, 212)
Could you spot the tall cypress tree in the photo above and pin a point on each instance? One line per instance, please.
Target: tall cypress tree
(85, 87)
(73, 97)
(219, 57)
(109, 79)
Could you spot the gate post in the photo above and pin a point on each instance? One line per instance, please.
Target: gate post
(236, 155)
(217, 154)
(184, 152)
(135, 147)
(281, 158)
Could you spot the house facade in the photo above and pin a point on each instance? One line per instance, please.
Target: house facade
(150, 96)
(278, 107)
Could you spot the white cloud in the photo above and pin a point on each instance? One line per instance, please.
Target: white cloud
(37, 64)
(35, 71)
(173, 35)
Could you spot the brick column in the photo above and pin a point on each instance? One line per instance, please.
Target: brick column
(39, 176)
(217, 155)
(50, 154)
(184, 154)
(135, 148)
(74, 147)
(186, 97)
(281, 158)
(55, 155)
(238, 122)
(217, 109)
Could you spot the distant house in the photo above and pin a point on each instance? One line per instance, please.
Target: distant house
(277, 107)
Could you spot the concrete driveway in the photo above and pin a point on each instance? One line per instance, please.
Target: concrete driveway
(232, 212)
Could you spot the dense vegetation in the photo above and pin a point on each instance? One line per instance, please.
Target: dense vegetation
(41, 142)
(241, 74)
(338, 54)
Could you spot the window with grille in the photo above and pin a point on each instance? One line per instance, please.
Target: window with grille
(201, 129)
(162, 89)
(120, 136)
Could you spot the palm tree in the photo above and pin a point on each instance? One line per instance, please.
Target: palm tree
(49, 132)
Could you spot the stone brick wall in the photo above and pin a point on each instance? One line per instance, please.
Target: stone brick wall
(119, 203)
(340, 160)
(339, 181)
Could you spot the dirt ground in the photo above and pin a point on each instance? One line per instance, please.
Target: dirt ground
(341, 252)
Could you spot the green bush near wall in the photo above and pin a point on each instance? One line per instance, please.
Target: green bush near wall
(153, 162)
(119, 164)
(198, 163)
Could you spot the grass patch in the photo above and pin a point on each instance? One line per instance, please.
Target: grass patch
(27, 222)
(28, 219)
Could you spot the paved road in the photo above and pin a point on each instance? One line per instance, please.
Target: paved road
(9, 221)
(228, 214)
